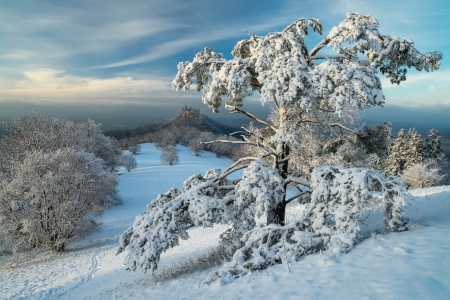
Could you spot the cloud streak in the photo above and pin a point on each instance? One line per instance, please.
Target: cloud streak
(116, 50)
(58, 86)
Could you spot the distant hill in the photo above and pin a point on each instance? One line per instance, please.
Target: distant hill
(189, 117)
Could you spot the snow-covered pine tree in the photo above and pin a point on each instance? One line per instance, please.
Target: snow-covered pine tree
(307, 90)
(395, 163)
(432, 146)
(406, 151)
(414, 149)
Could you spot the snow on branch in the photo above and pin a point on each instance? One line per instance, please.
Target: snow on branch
(262, 185)
(340, 199)
(351, 193)
(199, 202)
(234, 109)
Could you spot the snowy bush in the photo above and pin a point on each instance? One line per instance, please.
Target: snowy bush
(312, 94)
(36, 132)
(56, 178)
(422, 175)
(50, 198)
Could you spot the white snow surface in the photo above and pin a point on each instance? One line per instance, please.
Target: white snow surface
(406, 265)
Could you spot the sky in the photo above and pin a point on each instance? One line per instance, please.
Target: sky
(115, 60)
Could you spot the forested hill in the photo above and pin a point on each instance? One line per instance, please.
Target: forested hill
(187, 118)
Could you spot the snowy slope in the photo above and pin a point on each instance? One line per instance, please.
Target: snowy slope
(408, 265)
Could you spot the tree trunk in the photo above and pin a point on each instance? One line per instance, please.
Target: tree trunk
(277, 214)
(284, 151)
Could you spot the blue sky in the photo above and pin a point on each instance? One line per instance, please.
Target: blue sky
(124, 53)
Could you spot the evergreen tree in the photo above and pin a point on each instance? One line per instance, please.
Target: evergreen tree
(395, 163)
(414, 150)
(432, 147)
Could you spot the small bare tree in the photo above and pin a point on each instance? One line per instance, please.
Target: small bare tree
(134, 149)
(196, 147)
(165, 137)
(128, 161)
(169, 155)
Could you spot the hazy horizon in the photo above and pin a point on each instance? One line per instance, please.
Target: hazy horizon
(123, 116)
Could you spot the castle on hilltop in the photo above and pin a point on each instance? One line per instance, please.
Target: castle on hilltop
(190, 112)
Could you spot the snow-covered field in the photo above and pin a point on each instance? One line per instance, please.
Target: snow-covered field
(408, 265)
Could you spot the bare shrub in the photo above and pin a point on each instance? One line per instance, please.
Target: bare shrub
(134, 149)
(169, 155)
(128, 161)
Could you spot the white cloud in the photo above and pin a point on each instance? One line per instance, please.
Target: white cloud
(57, 86)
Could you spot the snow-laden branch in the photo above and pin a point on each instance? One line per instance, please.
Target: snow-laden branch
(234, 109)
(327, 57)
(230, 171)
(344, 128)
(297, 196)
(292, 179)
(241, 160)
(319, 46)
(225, 141)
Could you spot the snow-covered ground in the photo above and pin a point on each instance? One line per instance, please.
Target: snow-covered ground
(407, 265)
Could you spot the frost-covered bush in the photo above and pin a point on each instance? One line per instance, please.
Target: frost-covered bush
(36, 132)
(48, 199)
(312, 95)
(422, 175)
(56, 178)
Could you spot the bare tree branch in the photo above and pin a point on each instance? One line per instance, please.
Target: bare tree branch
(296, 196)
(275, 102)
(264, 144)
(226, 187)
